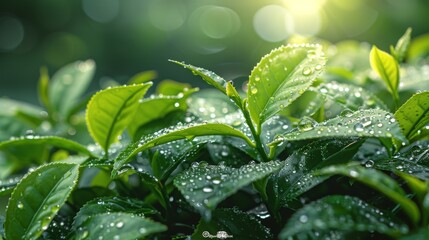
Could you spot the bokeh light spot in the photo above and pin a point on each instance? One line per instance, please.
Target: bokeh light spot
(273, 23)
(11, 33)
(101, 11)
(167, 15)
(216, 22)
(306, 23)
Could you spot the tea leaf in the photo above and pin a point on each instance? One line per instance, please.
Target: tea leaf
(111, 110)
(176, 133)
(12, 124)
(280, 78)
(297, 174)
(350, 96)
(401, 48)
(25, 142)
(204, 186)
(413, 115)
(68, 84)
(379, 181)
(118, 226)
(363, 123)
(143, 77)
(115, 204)
(234, 223)
(208, 76)
(37, 198)
(342, 213)
(386, 67)
(157, 107)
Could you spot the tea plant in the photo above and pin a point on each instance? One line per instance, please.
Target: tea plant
(311, 150)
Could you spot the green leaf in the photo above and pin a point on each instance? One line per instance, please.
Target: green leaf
(143, 77)
(281, 77)
(419, 48)
(204, 186)
(208, 76)
(170, 87)
(68, 85)
(234, 223)
(401, 48)
(118, 226)
(30, 140)
(297, 175)
(174, 133)
(386, 67)
(413, 115)
(7, 185)
(305, 105)
(342, 213)
(20, 153)
(37, 198)
(43, 88)
(362, 123)
(111, 205)
(171, 155)
(12, 124)
(399, 164)
(378, 181)
(350, 96)
(158, 107)
(110, 111)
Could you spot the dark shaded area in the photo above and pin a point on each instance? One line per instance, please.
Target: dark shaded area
(128, 36)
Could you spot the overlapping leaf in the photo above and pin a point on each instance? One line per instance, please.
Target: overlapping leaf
(233, 223)
(157, 107)
(342, 213)
(297, 174)
(378, 181)
(413, 115)
(37, 198)
(362, 123)
(176, 133)
(68, 84)
(204, 186)
(111, 205)
(118, 226)
(349, 96)
(281, 77)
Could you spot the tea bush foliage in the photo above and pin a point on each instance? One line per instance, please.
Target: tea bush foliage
(325, 142)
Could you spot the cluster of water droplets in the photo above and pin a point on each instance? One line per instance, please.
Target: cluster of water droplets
(370, 123)
(363, 217)
(203, 185)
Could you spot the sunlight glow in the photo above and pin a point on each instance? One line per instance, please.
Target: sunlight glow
(304, 6)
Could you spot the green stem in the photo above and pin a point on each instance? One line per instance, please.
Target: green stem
(395, 96)
(256, 133)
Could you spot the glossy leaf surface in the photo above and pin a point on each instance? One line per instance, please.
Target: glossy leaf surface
(37, 198)
(362, 123)
(204, 186)
(110, 111)
(343, 213)
(281, 77)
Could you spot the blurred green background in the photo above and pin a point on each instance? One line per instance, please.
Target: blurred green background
(125, 37)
